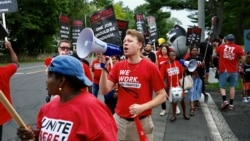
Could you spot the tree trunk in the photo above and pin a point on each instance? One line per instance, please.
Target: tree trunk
(220, 16)
(214, 20)
(240, 24)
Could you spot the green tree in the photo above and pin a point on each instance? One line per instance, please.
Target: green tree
(119, 12)
(231, 14)
(34, 24)
(162, 18)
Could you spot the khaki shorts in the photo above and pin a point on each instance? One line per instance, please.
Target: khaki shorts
(127, 130)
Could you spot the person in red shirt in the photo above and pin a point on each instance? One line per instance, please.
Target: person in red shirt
(173, 71)
(229, 54)
(74, 115)
(96, 69)
(158, 54)
(135, 88)
(6, 72)
(163, 59)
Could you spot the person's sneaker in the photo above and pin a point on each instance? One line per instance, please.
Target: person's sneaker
(231, 107)
(224, 105)
(245, 101)
(163, 112)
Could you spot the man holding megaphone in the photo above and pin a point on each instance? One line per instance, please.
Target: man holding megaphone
(135, 89)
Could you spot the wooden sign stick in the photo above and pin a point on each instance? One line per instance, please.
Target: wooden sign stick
(11, 110)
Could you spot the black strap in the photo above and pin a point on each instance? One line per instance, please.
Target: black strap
(184, 74)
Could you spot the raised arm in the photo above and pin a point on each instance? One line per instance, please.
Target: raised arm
(13, 55)
(105, 84)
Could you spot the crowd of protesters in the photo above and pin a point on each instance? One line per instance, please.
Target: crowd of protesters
(128, 87)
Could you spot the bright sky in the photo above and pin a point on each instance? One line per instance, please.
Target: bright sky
(181, 15)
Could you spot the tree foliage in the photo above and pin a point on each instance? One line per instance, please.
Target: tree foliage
(35, 26)
(232, 14)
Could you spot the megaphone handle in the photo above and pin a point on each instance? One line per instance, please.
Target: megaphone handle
(103, 65)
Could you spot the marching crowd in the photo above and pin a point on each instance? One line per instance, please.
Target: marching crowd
(128, 86)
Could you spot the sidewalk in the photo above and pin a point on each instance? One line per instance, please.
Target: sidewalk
(195, 129)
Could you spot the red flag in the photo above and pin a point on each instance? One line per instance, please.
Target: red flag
(140, 130)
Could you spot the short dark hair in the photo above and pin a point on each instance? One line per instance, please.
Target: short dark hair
(63, 41)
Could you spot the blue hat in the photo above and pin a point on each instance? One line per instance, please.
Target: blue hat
(69, 65)
(230, 37)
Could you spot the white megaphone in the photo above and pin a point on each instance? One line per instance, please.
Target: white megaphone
(87, 43)
(191, 65)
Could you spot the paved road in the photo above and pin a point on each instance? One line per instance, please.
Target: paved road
(208, 124)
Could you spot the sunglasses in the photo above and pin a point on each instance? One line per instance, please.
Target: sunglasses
(64, 48)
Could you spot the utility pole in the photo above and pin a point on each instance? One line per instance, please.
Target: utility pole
(201, 18)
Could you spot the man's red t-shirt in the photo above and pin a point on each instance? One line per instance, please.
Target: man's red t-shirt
(136, 84)
(228, 57)
(5, 74)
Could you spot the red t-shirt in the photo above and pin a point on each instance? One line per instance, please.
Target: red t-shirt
(162, 60)
(172, 72)
(97, 70)
(158, 54)
(87, 71)
(186, 56)
(228, 57)
(5, 74)
(138, 82)
(82, 118)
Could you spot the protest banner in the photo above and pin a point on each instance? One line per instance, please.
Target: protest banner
(5, 7)
(122, 26)
(8, 6)
(77, 26)
(193, 36)
(105, 27)
(64, 26)
(141, 26)
(152, 29)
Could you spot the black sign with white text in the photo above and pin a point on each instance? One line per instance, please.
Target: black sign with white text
(152, 28)
(77, 26)
(105, 27)
(193, 36)
(8, 6)
(64, 27)
(123, 26)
